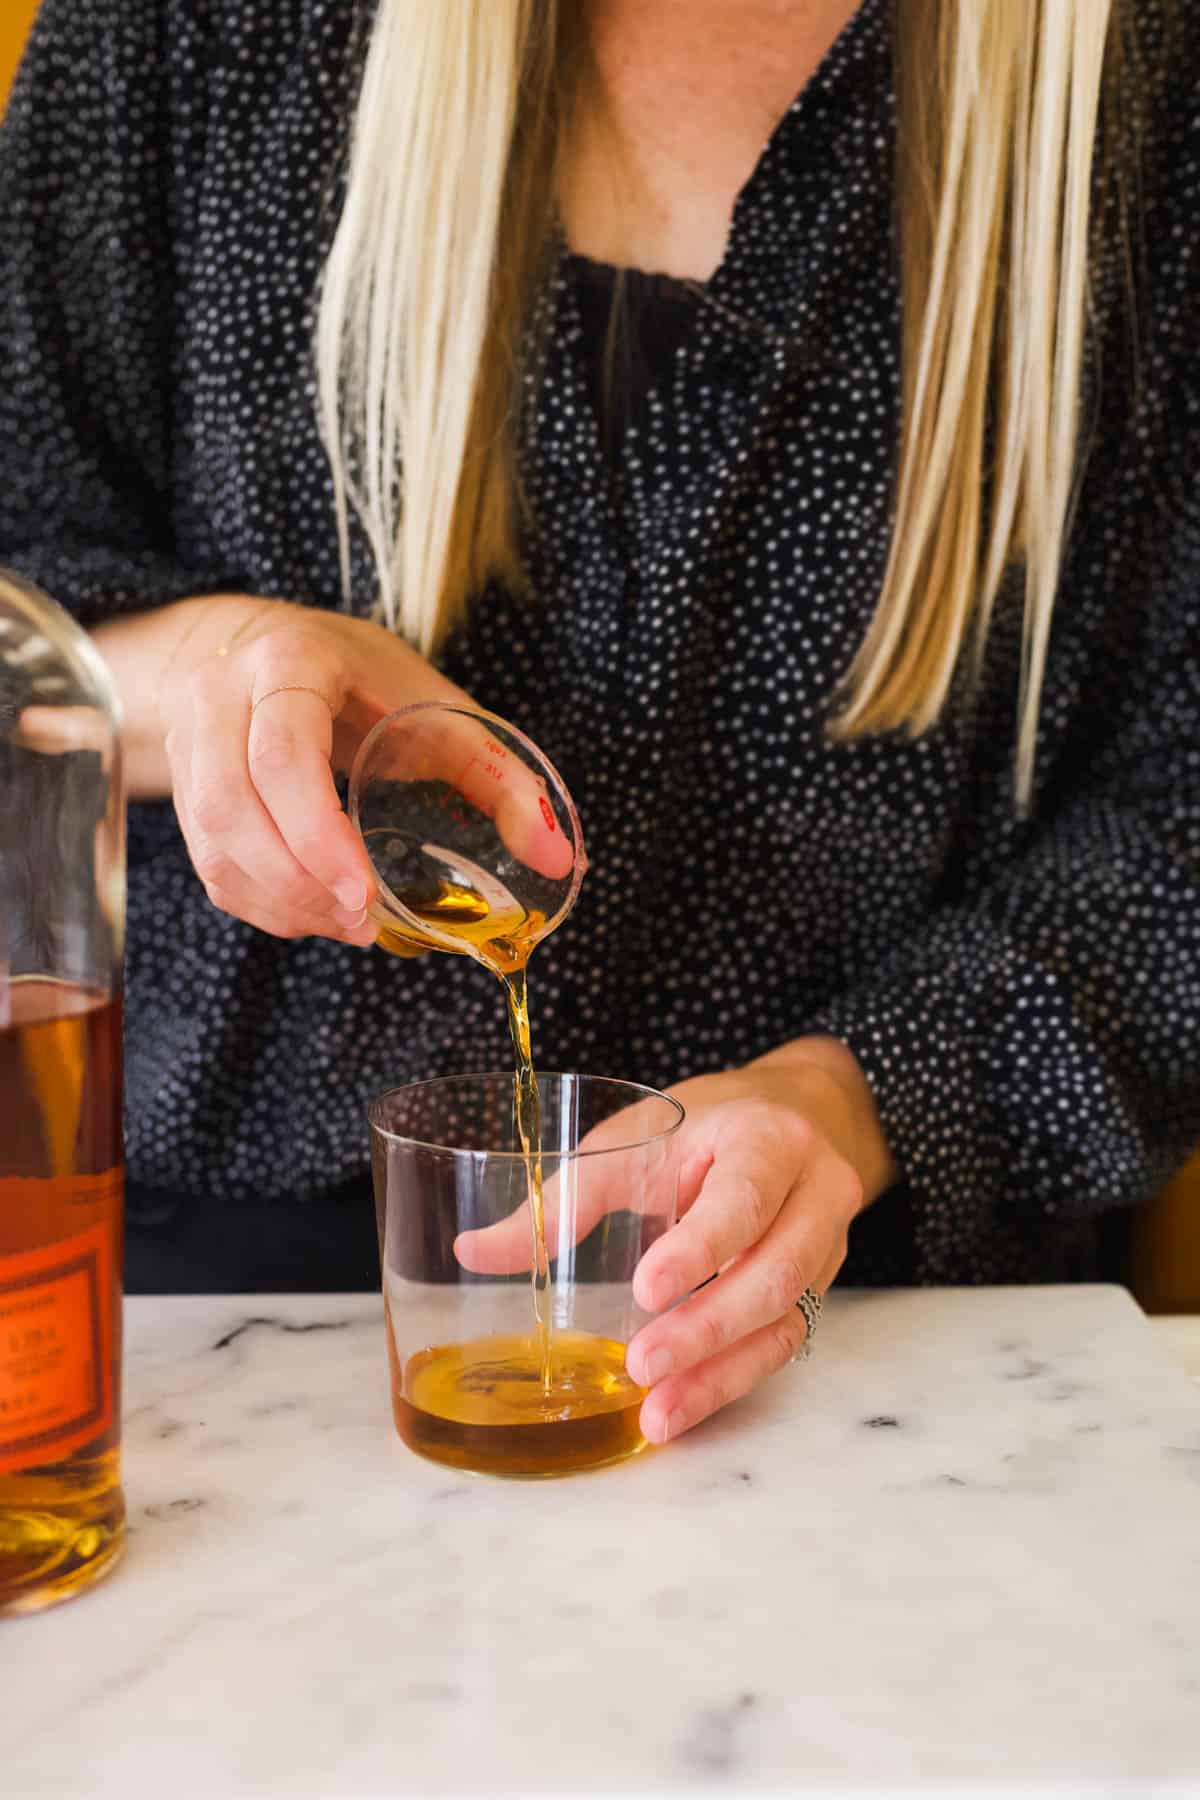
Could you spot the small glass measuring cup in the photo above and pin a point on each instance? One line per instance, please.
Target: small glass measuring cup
(474, 839)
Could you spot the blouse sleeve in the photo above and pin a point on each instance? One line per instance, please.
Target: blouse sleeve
(93, 155)
(1036, 1051)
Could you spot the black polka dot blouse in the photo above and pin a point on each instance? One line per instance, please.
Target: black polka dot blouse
(1023, 996)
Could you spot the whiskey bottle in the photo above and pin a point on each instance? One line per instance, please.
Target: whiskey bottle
(62, 873)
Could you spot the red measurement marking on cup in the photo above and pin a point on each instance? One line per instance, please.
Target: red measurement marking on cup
(547, 813)
(483, 761)
(493, 755)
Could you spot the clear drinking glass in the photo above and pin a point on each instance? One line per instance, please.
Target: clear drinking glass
(476, 1383)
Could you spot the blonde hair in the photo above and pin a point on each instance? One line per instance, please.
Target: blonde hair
(446, 223)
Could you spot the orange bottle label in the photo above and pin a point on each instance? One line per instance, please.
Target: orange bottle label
(56, 1378)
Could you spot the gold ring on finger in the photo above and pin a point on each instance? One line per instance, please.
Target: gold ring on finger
(291, 687)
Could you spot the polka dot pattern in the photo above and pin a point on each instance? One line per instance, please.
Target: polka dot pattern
(1024, 996)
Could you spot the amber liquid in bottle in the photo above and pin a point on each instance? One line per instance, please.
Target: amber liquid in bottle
(553, 1402)
(62, 1513)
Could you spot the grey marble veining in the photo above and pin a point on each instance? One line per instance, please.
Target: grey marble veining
(959, 1550)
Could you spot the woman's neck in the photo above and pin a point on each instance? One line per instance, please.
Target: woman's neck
(683, 96)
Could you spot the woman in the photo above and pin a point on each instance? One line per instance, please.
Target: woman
(843, 551)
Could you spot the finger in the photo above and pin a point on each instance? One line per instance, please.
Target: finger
(496, 781)
(831, 1267)
(760, 1286)
(759, 1152)
(234, 892)
(577, 1193)
(255, 908)
(574, 1200)
(463, 753)
(178, 746)
(289, 755)
(526, 821)
(763, 1285)
(681, 1401)
(56, 729)
(506, 1248)
(231, 828)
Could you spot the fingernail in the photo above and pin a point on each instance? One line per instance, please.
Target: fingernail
(673, 1424)
(660, 1362)
(352, 920)
(351, 896)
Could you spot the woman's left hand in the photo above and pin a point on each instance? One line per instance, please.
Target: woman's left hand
(776, 1160)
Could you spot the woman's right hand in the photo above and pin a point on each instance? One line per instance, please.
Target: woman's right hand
(255, 716)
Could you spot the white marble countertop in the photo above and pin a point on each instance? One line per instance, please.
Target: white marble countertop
(958, 1551)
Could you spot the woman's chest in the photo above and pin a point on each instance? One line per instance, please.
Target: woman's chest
(695, 608)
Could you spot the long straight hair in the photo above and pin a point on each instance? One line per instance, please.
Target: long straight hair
(443, 236)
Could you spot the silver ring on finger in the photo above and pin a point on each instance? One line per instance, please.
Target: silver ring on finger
(810, 1304)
